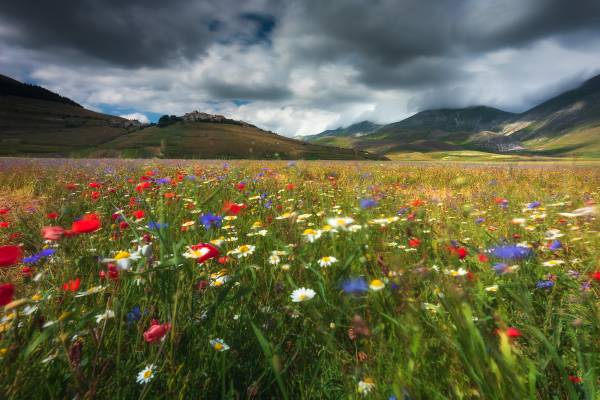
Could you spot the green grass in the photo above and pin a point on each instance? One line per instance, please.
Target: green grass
(437, 329)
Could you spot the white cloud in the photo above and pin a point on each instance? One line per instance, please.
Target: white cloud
(310, 76)
(139, 116)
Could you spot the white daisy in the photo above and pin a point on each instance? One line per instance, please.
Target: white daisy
(146, 375)
(302, 294)
(274, 259)
(244, 250)
(327, 261)
(311, 234)
(219, 345)
(106, 315)
(365, 386)
(376, 285)
(341, 222)
(553, 263)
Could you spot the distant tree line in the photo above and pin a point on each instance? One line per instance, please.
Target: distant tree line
(11, 87)
(167, 120)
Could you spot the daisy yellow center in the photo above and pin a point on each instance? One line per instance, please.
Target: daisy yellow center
(310, 231)
(218, 346)
(122, 254)
(326, 259)
(303, 296)
(244, 249)
(341, 221)
(147, 373)
(377, 283)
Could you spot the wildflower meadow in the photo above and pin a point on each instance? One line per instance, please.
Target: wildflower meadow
(158, 279)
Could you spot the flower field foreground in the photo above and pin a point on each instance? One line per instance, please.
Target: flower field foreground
(308, 280)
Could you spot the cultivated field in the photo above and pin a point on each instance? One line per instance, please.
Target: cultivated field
(300, 280)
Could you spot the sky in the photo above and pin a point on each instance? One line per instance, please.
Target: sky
(300, 67)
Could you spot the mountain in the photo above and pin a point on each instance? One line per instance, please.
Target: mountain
(359, 129)
(566, 125)
(37, 122)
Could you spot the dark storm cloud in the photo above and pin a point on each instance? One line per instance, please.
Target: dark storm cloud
(223, 90)
(300, 66)
(131, 33)
(387, 39)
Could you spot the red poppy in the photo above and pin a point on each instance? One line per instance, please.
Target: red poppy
(414, 242)
(52, 215)
(72, 285)
(123, 225)
(595, 276)
(417, 203)
(290, 186)
(52, 232)
(460, 252)
(113, 272)
(208, 251)
(233, 208)
(141, 186)
(7, 290)
(94, 185)
(513, 332)
(4, 211)
(89, 223)
(138, 214)
(15, 235)
(10, 255)
(170, 195)
(95, 195)
(27, 272)
(240, 186)
(4, 224)
(223, 260)
(156, 331)
(575, 379)
(483, 258)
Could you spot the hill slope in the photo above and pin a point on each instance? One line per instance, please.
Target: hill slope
(219, 140)
(37, 122)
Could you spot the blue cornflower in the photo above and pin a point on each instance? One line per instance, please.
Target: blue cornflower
(355, 285)
(38, 256)
(511, 252)
(479, 220)
(403, 211)
(163, 181)
(499, 268)
(367, 203)
(534, 204)
(134, 315)
(555, 245)
(190, 178)
(209, 220)
(544, 284)
(156, 225)
(268, 203)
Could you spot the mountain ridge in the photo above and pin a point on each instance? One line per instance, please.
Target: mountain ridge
(567, 124)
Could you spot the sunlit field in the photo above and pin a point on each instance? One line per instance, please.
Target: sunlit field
(298, 280)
